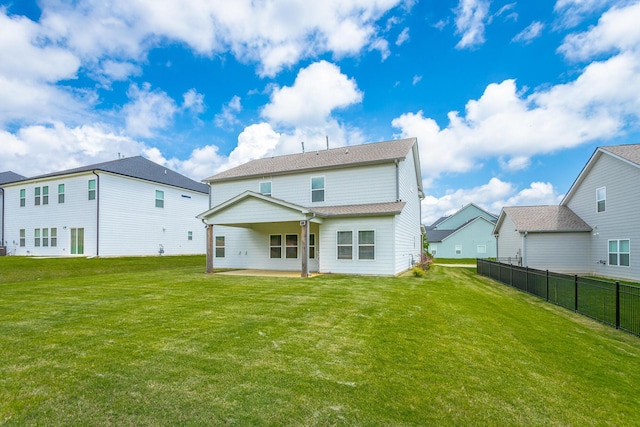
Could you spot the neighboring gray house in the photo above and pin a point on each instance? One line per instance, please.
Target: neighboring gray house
(468, 233)
(595, 230)
(352, 210)
(5, 178)
(128, 206)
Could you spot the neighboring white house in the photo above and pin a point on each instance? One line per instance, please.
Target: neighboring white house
(595, 230)
(353, 209)
(5, 177)
(468, 233)
(129, 206)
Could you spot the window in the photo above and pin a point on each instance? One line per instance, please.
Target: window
(189, 235)
(619, 252)
(291, 246)
(312, 246)
(45, 195)
(60, 193)
(366, 244)
(54, 237)
(434, 251)
(159, 199)
(265, 188)
(275, 246)
(458, 249)
(36, 196)
(220, 247)
(92, 189)
(36, 237)
(345, 244)
(317, 189)
(482, 249)
(45, 237)
(23, 237)
(601, 199)
(23, 198)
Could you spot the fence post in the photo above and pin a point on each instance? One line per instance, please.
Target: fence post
(511, 275)
(575, 287)
(526, 278)
(617, 305)
(547, 285)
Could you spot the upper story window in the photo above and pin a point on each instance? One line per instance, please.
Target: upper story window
(265, 188)
(159, 199)
(601, 199)
(23, 197)
(36, 196)
(60, 193)
(45, 195)
(92, 189)
(317, 189)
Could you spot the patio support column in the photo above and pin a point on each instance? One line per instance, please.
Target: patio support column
(209, 248)
(304, 248)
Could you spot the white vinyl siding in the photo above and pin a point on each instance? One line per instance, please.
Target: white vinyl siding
(509, 241)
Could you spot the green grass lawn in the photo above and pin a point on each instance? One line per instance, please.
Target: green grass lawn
(155, 341)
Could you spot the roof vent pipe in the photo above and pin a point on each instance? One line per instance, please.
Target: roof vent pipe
(302, 142)
(327, 136)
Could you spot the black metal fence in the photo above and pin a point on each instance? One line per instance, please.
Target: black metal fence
(613, 303)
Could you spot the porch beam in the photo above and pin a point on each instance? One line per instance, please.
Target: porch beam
(210, 248)
(304, 246)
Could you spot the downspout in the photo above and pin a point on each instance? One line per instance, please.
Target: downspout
(524, 249)
(2, 225)
(97, 213)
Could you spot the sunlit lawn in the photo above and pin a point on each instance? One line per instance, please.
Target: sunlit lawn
(155, 341)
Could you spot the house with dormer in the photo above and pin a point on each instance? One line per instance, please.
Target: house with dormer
(594, 230)
(353, 210)
(129, 206)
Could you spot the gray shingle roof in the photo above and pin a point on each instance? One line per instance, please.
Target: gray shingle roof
(630, 152)
(373, 209)
(545, 218)
(379, 152)
(6, 177)
(136, 167)
(438, 235)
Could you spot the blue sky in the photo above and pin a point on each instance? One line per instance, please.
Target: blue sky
(508, 99)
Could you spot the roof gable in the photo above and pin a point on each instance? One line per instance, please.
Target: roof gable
(135, 167)
(548, 218)
(628, 153)
(464, 215)
(374, 153)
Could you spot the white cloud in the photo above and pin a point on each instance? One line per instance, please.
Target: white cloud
(402, 37)
(470, 17)
(492, 197)
(416, 79)
(228, 115)
(317, 91)
(617, 30)
(44, 149)
(193, 101)
(118, 70)
(255, 142)
(572, 12)
(148, 110)
(532, 31)
(275, 34)
(504, 123)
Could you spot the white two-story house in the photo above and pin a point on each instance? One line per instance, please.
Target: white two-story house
(128, 206)
(595, 229)
(353, 210)
(5, 178)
